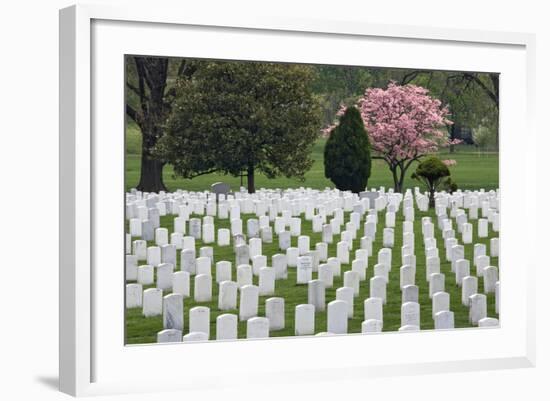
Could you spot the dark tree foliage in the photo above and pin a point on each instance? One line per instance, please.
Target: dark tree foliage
(236, 118)
(347, 153)
(433, 173)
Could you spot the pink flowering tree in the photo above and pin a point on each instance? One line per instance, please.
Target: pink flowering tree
(404, 124)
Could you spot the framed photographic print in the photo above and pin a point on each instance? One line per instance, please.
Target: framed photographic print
(238, 193)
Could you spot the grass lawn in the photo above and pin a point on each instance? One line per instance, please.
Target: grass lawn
(473, 170)
(143, 330)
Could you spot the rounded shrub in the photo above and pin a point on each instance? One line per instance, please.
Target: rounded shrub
(433, 173)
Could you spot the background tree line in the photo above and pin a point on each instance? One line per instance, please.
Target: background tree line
(154, 85)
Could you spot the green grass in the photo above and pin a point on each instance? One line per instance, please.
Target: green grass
(473, 170)
(141, 330)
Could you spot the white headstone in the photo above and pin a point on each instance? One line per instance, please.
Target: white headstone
(279, 263)
(223, 271)
(152, 302)
(352, 279)
(275, 312)
(304, 320)
(242, 255)
(284, 240)
(227, 298)
(161, 236)
(266, 281)
(378, 288)
(139, 249)
(478, 308)
(203, 288)
(342, 252)
(131, 267)
(204, 265)
(164, 276)
(469, 287)
(326, 275)
(374, 309)
(146, 275)
(433, 265)
(292, 256)
(244, 275)
(410, 314)
(346, 294)
(153, 256)
(134, 295)
(169, 336)
(409, 294)
(199, 320)
(248, 305)
(494, 245)
(437, 283)
(490, 278)
(188, 261)
(226, 327)
(195, 336)
(444, 320)
(337, 317)
(441, 301)
(316, 294)
(462, 269)
(181, 283)
(172, 312)
(371, 326)
(488, 322)
(304, 269)
(406, 276)
(257, 327)
(303, 244)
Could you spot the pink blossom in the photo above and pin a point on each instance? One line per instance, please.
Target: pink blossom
(404, 122)
(449, 162)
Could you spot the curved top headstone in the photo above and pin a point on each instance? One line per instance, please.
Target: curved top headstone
(220, 188)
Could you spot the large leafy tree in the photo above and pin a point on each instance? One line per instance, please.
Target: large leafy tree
(246, 118)
(347, 153)
(404, 124)
(149, 97)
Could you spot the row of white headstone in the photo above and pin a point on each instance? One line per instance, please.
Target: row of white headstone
(306, 263)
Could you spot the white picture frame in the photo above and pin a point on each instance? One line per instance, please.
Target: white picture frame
(93, 40)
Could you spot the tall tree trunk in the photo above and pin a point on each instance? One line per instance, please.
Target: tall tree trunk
(250, 179)
(150, 179)
(453, 136)
(149, 84)
(396, 186)
(151, 175)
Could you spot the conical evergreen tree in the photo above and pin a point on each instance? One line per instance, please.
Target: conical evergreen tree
(347, 153)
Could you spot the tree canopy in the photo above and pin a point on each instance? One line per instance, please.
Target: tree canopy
(236, 117)
(404, 124)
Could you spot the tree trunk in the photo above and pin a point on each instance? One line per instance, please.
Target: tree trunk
(401, 180)
(151, 175)
(453, 136)
(150, 179)
(396, 186)
(432, 198)
(250, 179)
(152, 73)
